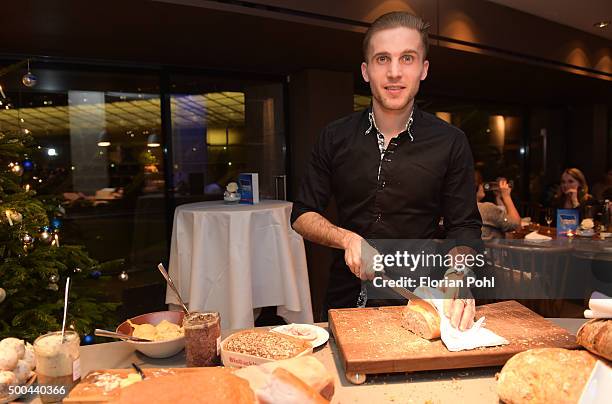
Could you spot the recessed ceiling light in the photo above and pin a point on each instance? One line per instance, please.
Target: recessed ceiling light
(601, 24)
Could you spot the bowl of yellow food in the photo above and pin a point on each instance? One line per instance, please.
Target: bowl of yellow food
(163, 328)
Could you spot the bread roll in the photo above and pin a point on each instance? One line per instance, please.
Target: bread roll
(596, 336)
(306, 368)
(283, 387)
(16, 344)
(8, 358)
(22, 371)
(545, 375)
(422, 320)
(6, 379)
(30, 356)
(208, 385)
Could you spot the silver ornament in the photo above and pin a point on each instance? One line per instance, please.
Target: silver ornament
(2, 295)
(77, 270)
(46, 237)
(29, 79)
(27, 239)
(123, 276)
(53, 278)
(53, 286)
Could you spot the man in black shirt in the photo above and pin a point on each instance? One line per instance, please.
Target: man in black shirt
(393, 169)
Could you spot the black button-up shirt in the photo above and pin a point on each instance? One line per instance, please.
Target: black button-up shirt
(425, 173)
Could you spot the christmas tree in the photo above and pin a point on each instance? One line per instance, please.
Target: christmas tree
(34, 264)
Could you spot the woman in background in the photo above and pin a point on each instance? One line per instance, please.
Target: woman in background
(496, 220)
(574, 191)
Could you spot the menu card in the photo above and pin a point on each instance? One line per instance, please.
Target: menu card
(567, 219)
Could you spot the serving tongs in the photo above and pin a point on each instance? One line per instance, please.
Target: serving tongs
(111, 334)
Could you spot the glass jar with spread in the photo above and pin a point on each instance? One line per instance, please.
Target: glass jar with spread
(202, 338)
(57, 365)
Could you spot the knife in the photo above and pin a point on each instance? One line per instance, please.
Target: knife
(405, 293)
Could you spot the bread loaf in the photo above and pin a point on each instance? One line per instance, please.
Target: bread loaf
(208, 385)
(596, 336)
(282, 387)
(545, 375)
(421, 319)
(306, 368)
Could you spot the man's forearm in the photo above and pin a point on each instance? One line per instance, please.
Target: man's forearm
(314, 227)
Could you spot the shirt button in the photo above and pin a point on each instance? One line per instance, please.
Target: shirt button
(378, 217)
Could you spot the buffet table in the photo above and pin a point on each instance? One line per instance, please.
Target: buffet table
(236, 258)
(449, 386)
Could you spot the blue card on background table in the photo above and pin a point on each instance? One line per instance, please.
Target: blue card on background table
(567, 219)
(249, 188)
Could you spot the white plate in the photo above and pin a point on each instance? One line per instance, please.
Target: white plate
(585, 233)
(322, 334)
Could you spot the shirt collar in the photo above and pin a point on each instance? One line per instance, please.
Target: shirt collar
(407, 128)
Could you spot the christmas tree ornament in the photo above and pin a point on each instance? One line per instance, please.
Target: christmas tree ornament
(45, 236)
(53, 278)
(29, 79)
(88, 340)
(55, 239)
(2, 295)
(16, 168)
(56, 223)
(13, 217)
(123, 276)
(53, 287)
(96, 274)
(27, 165)
(27, 239)
(77, 270)
(16, 216)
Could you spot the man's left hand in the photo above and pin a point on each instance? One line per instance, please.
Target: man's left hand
(460, 311)
(459, 306)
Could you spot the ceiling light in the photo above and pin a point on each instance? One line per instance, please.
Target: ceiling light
(104, 139)
(601, 24)
(153, 140)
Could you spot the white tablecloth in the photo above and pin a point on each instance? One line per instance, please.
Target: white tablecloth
(234, 258)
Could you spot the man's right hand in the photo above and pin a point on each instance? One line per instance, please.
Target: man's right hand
(352, 256)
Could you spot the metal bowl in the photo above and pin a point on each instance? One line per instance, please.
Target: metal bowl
(156, 349)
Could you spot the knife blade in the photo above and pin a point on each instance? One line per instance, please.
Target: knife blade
(405, 293)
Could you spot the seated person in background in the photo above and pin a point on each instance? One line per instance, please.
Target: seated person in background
(574, 191)
(495, 219)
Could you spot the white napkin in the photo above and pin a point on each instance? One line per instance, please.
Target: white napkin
(453, 338)
(598, 388)
(535, 236)
(600, 306)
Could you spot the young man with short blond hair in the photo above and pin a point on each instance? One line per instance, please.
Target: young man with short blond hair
(393, 169)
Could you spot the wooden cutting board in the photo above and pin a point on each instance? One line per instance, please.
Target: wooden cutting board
(371, 340)
(98, 386)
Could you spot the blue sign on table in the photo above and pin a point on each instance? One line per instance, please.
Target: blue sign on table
(567, 219)
(249, 188)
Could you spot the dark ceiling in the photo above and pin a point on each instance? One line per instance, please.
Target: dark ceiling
(153, 34)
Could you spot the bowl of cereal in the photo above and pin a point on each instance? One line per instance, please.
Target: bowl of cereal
(163, 328)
